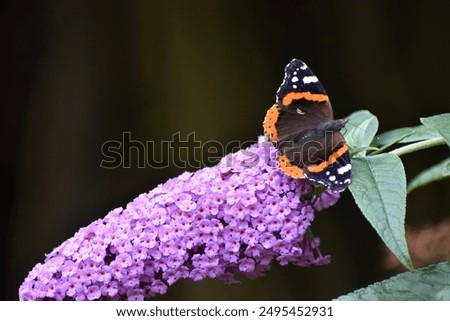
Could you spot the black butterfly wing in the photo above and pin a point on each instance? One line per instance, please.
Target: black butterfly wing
(335, 171)
(301, 91)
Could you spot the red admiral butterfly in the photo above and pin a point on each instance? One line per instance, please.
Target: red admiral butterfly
(302, 126)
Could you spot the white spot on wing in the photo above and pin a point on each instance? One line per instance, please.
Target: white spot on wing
(309, 79)
(299, 111)
(294, 79)
(344, 169)
(304, 67)
(327, 172)
(294, 86)
(347, 181)
(332, 178)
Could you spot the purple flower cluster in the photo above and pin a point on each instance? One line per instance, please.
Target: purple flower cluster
(231, 219)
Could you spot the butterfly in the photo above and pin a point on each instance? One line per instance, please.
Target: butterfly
(302, 126)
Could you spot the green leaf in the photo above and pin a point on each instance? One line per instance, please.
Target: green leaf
(379, 188)
(441, 123)
(432, 174)
(405, 135)
(393, 136)
(359, 131)
(420, 133)
(430, 283)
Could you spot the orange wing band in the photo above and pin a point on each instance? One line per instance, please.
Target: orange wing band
(333, 158)
(289, 169)
(305, 95)
(270, 121)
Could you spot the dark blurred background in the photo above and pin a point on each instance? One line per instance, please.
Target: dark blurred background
(76, 74)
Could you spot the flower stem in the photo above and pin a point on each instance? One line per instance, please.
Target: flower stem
(418, 146)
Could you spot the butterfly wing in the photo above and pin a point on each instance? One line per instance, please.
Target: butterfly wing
(335, 170)
(301, 91)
